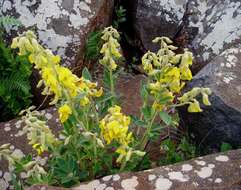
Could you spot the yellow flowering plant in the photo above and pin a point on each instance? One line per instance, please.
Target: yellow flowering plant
(167, 74)
(97, 137)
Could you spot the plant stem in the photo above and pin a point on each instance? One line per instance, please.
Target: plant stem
(123, 165)
(95, 156)
(141, 118)
(179, 105)
(144, 140)
(112, 88)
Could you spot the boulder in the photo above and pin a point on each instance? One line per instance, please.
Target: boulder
(61, 25)
(156, 18)
(220, 122)
(218, 171)
(212, 27)
(205, 27)
(11, 132)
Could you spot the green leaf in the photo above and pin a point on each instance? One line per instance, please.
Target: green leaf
(15, 88)
(226, 147)
(147, 112)
(66, 171)
(138, 122)
(86, 74)
(93, 45)
(106, 78)
(164, 100)
(9, 21)
(144, 91)
(167, 119)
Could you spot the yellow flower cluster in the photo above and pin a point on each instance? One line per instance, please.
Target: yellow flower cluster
(111, 48)
(58, 81)
(88, 89)
(115, 126)
(64, 113)
(190, 98)
(167, 70)
(38, 133)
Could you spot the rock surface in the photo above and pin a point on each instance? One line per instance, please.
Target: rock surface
(61, 25)
(219, 171)
(154, 18)
(220, 122)
(11, 132)
(205, 27)
(213, 26)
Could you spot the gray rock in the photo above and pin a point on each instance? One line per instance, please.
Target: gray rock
(212, 26)
(205, 27)
(221, 122)
(218, 171)
(61, 25)
(154, 18)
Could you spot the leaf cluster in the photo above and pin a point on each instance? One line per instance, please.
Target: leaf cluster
(15, 86)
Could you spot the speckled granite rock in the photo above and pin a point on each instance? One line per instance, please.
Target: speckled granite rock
(219, 171)
(61, 25)
(221, 122)
(205, 27)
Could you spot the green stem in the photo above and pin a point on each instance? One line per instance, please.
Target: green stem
(112, 88)
(144, 140)
(123, 165)
(179, 105)
(141, 118)
(86, 113)
(95, 157)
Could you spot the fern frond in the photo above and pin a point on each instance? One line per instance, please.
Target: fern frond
(93, 45)
(9, 21)
(17, 83)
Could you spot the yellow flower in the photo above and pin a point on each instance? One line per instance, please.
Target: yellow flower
(58, 81)
(186, 62)
(64, 113)
(115, 126)
(205, 99)
(194, 107)
(186, 73)
(148, 61)
(67, 80)
(38, 148)
(97, 93)
(172, 79)
(110, 49)
(122, 153)
(157, 106)
(189, 97)
(84, 101)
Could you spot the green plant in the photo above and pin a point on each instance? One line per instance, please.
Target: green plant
(93, 45)
(120, 13)
(225, 147)
(98, 139)
(177, 152)
(15, 78)
(7, 22)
